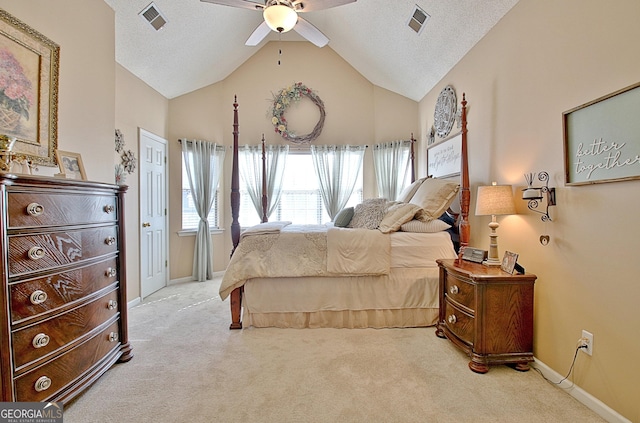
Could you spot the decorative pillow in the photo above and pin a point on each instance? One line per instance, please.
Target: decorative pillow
(343, 217)
(435, 225)
(396, 215)
(368, 214)
(407, 193)
(434, 197)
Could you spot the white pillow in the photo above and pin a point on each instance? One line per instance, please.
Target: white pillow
(396, 215)
(435, 225)
(434, 196)
(407, 193)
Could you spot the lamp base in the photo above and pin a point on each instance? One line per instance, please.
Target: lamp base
(492, 262)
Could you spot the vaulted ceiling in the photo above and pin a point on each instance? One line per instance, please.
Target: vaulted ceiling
(202, 43)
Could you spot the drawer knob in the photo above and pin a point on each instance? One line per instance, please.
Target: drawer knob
(109, 209)
(38, 297)
(112, 304)
(42, 384)
(452, 318)
(36, 253)
(111, 272)
(113, 337)
(35, 209)
(110, 240)
(453, 289)
(40, 340)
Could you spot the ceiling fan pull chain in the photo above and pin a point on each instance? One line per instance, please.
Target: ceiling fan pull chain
(279, 47)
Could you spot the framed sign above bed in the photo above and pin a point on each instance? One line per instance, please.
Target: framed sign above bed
(444, 158)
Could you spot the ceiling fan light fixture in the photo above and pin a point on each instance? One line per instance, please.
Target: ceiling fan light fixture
(280, 18)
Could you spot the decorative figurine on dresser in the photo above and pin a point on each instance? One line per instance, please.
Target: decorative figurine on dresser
(487, 313)
(64, 310)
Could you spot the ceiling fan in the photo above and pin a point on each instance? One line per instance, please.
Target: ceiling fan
(282, 16)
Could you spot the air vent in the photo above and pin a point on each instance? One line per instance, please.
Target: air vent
(418, 19)
(153, 16)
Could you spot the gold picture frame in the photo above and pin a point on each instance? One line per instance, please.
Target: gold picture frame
(71, 165)
(29, 107)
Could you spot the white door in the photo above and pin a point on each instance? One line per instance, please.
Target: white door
(153, 213)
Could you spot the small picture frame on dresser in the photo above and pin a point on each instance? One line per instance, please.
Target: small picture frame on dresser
(70, 164)
(509, 262)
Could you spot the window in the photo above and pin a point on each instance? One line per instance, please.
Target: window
(190, 218)
(301, 202)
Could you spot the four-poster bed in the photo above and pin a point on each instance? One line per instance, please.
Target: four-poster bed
(345, 277)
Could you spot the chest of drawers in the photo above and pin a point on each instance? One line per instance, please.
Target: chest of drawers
(487, 313)
(63, 321)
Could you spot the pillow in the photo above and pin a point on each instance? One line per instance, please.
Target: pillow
(368, 214)
(396, 215)
(435, 225)
(343, 217)
(407, 193)
(434, 197)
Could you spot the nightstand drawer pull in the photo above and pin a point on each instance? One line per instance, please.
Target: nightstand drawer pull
(35, 209)
(109, 209)
(40, 340)
(112, 304)
(38, 297)
(42, 384)
(110, 240)
(452, 319)
(111, 272)
(113, 337)
(453, 289)
(36, 253)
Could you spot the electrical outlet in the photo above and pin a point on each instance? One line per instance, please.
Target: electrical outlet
(587, 340)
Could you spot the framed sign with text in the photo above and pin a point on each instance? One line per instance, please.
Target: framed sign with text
(602, 139)
(444, 158)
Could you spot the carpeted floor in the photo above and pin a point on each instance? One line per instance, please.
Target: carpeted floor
(189, 367)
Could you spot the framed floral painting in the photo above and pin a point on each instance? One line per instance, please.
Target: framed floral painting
(29, 64)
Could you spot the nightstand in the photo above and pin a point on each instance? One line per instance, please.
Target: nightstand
(487, 313)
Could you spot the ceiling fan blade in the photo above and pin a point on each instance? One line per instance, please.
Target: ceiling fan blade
(310, 32)
(258, 34)
(245, 4)
(310, 6)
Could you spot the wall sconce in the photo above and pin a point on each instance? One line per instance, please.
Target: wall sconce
(534, 195)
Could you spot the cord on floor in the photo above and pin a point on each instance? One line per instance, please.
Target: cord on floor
(578, 348)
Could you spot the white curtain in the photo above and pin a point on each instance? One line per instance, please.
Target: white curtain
(391, 162)
(203, 161)
(250, 158)
(337, 168)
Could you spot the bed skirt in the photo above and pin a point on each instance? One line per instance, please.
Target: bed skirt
(404, 298)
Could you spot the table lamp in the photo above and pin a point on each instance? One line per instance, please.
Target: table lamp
(494, 200)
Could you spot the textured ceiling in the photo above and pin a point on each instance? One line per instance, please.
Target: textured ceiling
(203, 43)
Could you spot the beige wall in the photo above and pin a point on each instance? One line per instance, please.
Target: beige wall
(357, 113)
(543, 58)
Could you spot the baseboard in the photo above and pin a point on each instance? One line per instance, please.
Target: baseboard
(190, 278)
(133, 302)
(600, 408)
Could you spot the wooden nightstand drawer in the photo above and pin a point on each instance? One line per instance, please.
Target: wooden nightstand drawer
(37, 252)
(27, 209)
(460, 291)
(36, 341)
(460, 323)
(35, 297)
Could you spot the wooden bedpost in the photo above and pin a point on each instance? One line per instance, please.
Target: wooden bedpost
(412, 158)
(265, 203)
(236, 294)
(464, 228)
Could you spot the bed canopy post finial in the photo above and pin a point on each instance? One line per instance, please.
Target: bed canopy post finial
(412, 159)
(235, 182)
(265, 203)
(464, 228)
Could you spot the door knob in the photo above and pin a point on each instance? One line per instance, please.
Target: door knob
(146, 224)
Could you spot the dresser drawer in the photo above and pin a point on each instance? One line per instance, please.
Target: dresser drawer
(29, 253)
(460, 291)
(459, 322)
(47, 380)
(32, 209)
(57, 290)
(36, 341)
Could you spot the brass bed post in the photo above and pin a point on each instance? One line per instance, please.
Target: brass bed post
(236, 294)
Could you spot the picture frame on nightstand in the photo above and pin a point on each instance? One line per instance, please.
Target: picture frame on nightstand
(509, 262)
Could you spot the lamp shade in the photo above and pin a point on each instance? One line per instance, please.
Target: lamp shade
(280, 18)
(495, 200)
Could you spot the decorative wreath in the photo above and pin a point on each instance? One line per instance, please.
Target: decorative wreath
(280, 103)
